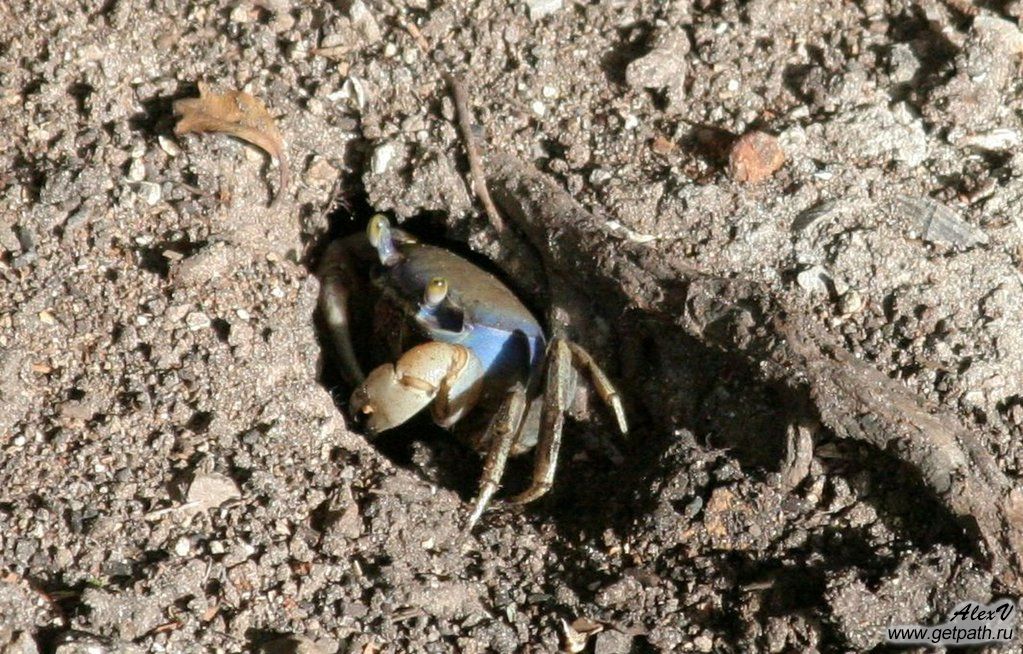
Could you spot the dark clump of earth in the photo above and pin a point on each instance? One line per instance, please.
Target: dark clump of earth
(177, 469)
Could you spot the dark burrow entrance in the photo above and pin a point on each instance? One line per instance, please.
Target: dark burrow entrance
(593, 458)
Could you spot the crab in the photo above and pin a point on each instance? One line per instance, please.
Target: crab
(479, 359)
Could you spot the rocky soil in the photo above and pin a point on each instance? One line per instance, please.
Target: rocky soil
(178, 471)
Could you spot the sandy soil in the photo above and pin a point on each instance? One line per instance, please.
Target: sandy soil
(177, 472)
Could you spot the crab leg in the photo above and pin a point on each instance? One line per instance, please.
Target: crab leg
(559, 387)
(607, 391)
(501, 435)
(563, 359)
(337, 283)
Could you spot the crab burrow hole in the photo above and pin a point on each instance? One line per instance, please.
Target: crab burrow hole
(591, 455)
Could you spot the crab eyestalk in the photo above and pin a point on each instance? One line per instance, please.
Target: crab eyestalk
(378, 231)
(436, 309)
(435, 293)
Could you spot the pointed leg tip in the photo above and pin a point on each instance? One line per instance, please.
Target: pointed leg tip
(623, 424)
(474, 518)
(486, 492)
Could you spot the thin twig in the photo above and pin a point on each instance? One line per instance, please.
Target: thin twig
(416, 35)
(285, 179)
(461, 98)
(479, 181)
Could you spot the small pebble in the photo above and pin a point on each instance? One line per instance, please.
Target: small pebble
(612, 642)
(197, 320)
(664, 66)
(182, 546)
(813, 280)
(934, 222)
(382, 158)
(352, 89)
(242, 13)
(282, 22)
(364, 21)
(150, 192)
(212, 489)
(703, 643)
(662, 146)
(137, 170)
(755, 156)
(540, 8)
(850, 303)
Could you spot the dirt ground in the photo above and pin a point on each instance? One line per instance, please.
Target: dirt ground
(177, 473)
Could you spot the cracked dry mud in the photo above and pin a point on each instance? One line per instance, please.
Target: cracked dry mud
(177, 470)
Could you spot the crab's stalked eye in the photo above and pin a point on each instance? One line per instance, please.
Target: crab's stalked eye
(435, 292)
(378, 231)
(377, 227)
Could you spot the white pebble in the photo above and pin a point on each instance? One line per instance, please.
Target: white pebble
(814, 280)
(382, 158)
(168, 146)
(150, 192)
(197, 320)
(540, 8)
(538, 108)
(352, 89)
(182, 546)
(242, 13)
(137, 170)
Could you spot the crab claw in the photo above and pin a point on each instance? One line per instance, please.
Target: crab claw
(449, 376)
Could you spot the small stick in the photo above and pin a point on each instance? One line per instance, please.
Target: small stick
(479, 181)
(461, 98)
(285, 180)
(417, 36)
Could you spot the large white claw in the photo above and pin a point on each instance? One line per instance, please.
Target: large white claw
(450, 376)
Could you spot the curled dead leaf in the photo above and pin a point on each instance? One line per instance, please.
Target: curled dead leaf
(236, 114)
(578, 633)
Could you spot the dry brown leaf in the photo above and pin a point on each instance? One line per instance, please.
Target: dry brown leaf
(237, 114)
(577, 633)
